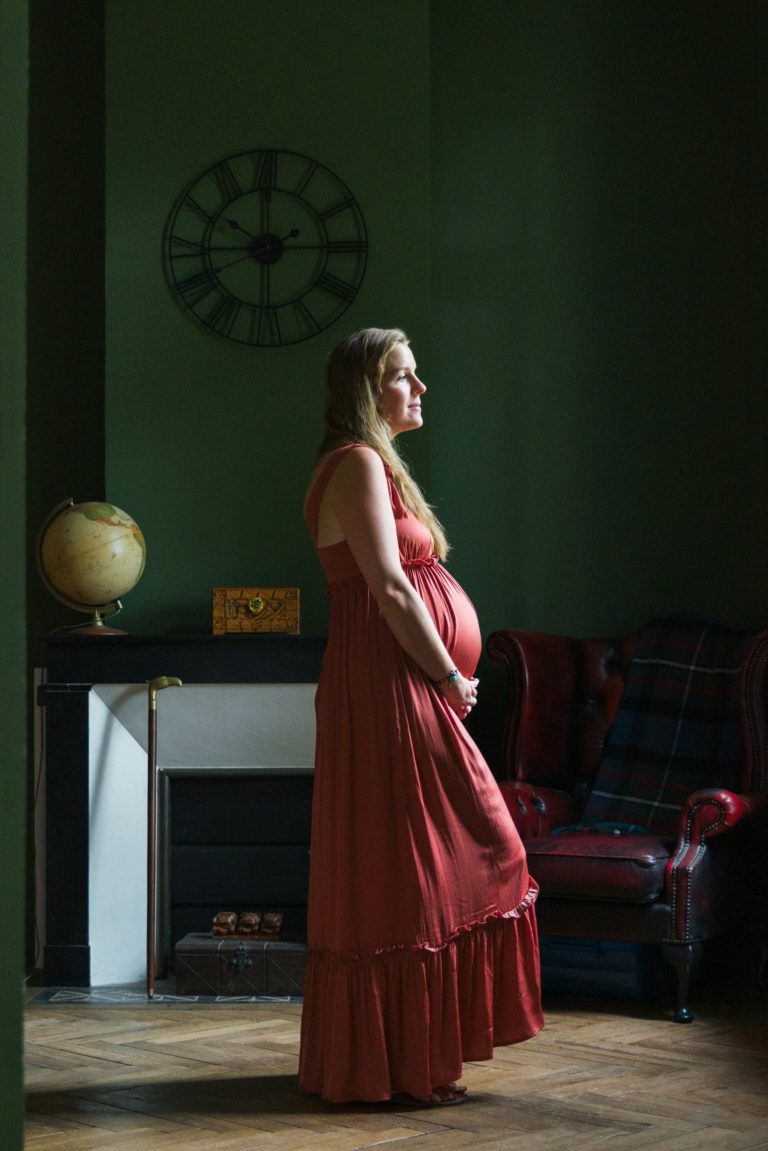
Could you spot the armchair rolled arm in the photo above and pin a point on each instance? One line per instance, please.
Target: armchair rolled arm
(537, 810)
(712, 811)
(708, 813)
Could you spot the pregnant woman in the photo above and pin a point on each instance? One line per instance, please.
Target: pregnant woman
(423, 952)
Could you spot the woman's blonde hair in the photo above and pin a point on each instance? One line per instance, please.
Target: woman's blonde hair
(353, 378)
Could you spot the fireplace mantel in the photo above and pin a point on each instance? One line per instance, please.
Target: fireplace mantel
(74, 665)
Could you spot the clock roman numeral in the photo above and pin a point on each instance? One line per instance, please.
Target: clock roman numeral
(269, 327)
(346, 246)
(336, 286)
(226, 181)
(190, 202)
(305, 321)
(197, 286)
(309, 173)
(251, 311)
(265, 176)
(336, 208)
(179, 247)
(223, 315)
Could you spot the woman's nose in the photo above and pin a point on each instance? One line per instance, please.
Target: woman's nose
(419, 386)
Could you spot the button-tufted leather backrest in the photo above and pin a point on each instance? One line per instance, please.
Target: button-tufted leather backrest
(564, 694)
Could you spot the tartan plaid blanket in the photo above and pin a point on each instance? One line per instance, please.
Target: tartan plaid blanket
(677, 728)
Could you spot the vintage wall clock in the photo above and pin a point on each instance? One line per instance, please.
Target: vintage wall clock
(266, 247)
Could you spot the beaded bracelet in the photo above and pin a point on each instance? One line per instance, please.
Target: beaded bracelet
(452, 677)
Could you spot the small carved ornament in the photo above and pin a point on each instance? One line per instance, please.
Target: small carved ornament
(225, 923)
(248, 923)
(271, 925)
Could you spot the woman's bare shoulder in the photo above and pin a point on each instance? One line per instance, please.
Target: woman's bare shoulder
(359, 464)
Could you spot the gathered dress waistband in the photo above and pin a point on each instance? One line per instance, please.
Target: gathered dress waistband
(421, 561)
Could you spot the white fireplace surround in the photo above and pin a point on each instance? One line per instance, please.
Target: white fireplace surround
(207, 728)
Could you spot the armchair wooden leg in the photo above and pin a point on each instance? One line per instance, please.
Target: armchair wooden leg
(685, 958)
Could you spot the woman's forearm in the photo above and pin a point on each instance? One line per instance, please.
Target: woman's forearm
(412, 626)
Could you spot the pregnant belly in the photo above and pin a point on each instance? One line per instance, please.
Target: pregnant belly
(453, 615)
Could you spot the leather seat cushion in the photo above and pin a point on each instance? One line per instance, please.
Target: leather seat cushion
(623, 868)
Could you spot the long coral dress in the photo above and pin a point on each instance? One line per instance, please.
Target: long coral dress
(423, 950)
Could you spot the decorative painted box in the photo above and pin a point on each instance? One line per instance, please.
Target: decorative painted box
(256, 609)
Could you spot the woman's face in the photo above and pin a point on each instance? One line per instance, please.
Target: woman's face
(401, 391)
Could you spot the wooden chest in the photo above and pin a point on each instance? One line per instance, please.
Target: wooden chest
(243, 610)
(237, 966)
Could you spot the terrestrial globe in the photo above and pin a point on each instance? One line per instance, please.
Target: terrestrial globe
(89, 556)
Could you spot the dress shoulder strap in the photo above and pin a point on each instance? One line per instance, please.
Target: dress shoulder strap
(317, 491)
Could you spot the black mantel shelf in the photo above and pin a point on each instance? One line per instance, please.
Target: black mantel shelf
(73, 665)
(198, 658)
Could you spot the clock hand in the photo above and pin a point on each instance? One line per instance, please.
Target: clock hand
(226, 248)
(247, 256)
(266, 245)
(266, 238)
(236, 228)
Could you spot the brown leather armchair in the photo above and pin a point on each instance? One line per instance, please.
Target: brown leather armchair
(636, 769)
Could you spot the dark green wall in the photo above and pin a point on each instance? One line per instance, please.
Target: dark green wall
(13, 190)
(65, 291)
(209, 443)
(597, 252)
(563, 211)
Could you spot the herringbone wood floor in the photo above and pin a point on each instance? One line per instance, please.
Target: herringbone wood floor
(222, 1077)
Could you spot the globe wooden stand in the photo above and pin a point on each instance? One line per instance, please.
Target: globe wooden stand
(97, 625)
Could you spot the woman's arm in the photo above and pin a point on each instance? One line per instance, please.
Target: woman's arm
(357, 499)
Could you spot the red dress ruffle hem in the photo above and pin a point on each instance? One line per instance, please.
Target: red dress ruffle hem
(423, 951)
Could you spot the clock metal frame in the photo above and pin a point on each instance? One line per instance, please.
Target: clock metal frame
(267, 248)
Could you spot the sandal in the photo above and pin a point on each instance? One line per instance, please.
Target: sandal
(403, 1099)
